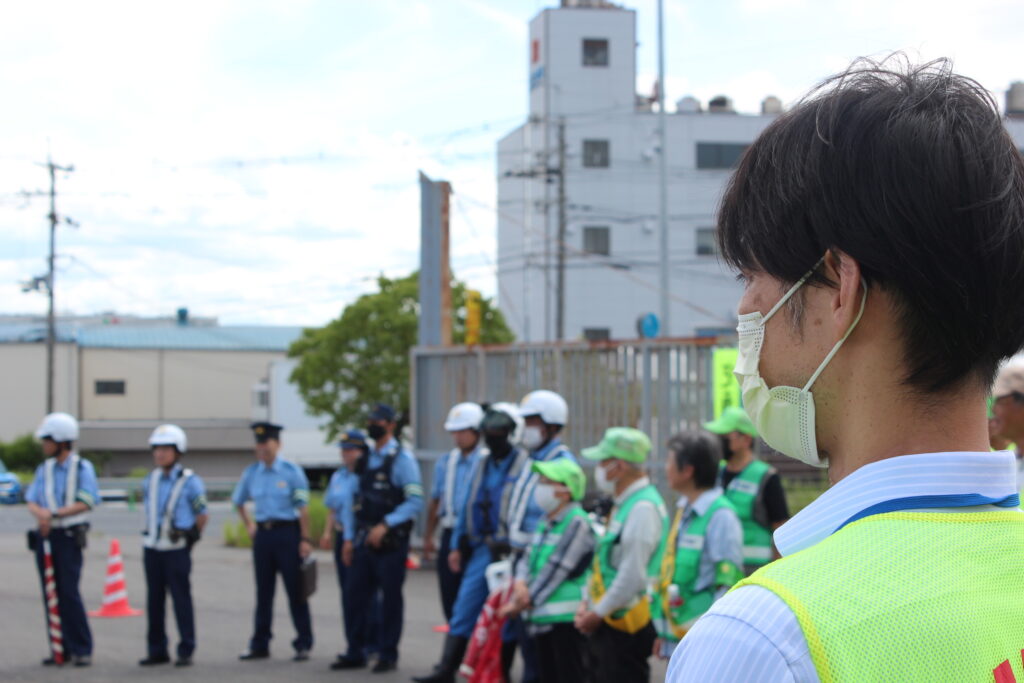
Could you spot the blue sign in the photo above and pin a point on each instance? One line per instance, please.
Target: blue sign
(648, 326)
(537, 77)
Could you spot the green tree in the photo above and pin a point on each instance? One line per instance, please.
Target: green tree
(362, 357)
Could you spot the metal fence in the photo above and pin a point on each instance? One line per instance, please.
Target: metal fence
(658, 386)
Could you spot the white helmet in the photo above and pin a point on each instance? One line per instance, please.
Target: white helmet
(169, 435)
(60, 427)
(464, 416)
(512, 410)
(547, 405)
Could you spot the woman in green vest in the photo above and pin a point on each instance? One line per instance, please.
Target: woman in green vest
(552, 575)
(704, 551)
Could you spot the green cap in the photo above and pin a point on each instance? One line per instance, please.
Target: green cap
(624, 443)
(732, 419)
(564, 471)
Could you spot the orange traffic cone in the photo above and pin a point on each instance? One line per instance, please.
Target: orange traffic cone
(115, 593)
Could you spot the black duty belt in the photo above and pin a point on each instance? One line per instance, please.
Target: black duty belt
(269, 524)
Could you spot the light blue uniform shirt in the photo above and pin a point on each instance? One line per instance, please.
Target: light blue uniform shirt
(405, 473)
(191, 503)
(88, 488)
(751, 635)
(338, 498)
(463, 470)
(279, 491)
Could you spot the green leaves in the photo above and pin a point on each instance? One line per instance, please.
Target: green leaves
(362, 357)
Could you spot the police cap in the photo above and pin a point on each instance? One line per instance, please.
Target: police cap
(264, 431)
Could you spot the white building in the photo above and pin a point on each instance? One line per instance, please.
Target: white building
(582, 65)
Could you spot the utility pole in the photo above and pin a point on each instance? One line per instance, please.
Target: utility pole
(51, 319)
(662, 177)
(562, 227)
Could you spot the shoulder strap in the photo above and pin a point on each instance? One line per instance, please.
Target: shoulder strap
(451, 464)
(50, 484)
(71, 483)
(152, 513)
(172, 500)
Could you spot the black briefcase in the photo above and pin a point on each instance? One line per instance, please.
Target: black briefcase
(307, 577)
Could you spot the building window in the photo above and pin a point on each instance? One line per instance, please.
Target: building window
(597, 240)
(706, 244)
(596, 153)
(110, 387)
(595, 52)
(719, 154)
(596, 334)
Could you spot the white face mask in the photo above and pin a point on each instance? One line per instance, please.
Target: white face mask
(533, 438)
(604, 484)
(545, 497)
(783, 416)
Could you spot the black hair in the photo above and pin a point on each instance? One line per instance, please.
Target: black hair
(909, 171)
(701, 449)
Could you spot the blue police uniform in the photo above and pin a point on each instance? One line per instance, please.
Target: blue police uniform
(279, 492)
(390, 490)
(168, 538)
(451, 483)
(50, 489)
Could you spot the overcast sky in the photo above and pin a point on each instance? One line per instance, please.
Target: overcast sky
(257, 161)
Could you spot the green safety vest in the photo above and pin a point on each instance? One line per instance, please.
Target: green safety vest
(673, 618)
(635, 616)
(930, 597)
(562, 604)
(743, 491)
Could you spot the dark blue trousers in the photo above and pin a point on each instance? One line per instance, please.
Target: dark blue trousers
(372, 622)
(447, 580)
(372, 572)
(168, 571)
(276, 551)
(67, 571)
(515, 632)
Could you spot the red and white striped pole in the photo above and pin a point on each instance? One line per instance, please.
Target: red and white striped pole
(52, 605)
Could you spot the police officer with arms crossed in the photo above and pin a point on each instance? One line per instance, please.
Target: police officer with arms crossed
(885, 211)
(704, 551)
(174, 501)
(387, 501)
(752, 485)
(280, 538)
(482, 529)
(451, 478)
(60, 497)
(627, 561)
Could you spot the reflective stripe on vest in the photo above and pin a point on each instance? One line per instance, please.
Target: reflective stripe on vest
(522, 494)
(451, 464)
(743, 492)
(156, 536)
(521, 458)
(910, 596)
(563, 602)
(70, 491)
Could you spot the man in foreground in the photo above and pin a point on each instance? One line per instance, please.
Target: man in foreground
(879, 229)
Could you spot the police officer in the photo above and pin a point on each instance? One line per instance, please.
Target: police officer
(280, 538)
(175, 503)
(389, 497)
(60, 497)
(451, 477)
(482, 529)
(339, 498)
(752, 485)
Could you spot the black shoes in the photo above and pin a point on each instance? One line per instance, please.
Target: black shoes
(301, 656)
(250, 655)
(345, 662)
(383, 666)
(153, 660)
(183, 661)
(81, 660)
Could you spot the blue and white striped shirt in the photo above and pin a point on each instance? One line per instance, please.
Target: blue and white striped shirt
(751, 635)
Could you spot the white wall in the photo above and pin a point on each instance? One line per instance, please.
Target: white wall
(23, 399)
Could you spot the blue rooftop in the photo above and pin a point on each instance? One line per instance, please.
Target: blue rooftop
(200, 338)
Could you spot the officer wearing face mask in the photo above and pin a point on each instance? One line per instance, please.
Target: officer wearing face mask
(545, 414)
(481, 534)
(752, 485)
(627, 561)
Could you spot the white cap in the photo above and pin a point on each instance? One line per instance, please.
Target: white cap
(464, 416)
(169, 435)
(60, 427)
(512, 410)
(547, 405)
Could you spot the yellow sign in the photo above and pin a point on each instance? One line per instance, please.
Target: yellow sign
(725, 390)
(472, 317)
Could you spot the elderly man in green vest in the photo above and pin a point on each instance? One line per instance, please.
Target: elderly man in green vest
(627, 561)
(752, 485)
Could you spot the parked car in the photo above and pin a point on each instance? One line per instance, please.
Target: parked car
(10, 487)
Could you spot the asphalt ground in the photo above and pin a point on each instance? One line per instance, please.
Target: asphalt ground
(223, 590)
